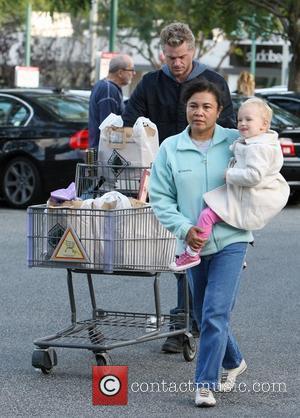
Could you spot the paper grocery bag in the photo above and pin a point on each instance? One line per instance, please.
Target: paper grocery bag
(125, 146)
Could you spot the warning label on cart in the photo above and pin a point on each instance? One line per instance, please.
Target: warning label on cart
(70, 248)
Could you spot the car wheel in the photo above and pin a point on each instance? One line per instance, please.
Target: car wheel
(21, 183)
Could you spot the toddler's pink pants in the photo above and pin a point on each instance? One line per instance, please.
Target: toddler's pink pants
(206, 221)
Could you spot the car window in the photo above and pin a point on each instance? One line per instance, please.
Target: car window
(282, 117)
(13, 112)
(65, 107)
(290, 105)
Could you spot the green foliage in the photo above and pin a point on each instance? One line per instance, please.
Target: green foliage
(16, 10)
(145, 19)
(74, 7)
(12, 12)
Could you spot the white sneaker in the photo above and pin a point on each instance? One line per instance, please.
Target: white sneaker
(204, 397)
(229, 377)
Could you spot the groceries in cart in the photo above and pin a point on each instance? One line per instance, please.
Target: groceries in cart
(98, 234)
(110, 232)
(108, 225)
(61, 195)
(123, 154)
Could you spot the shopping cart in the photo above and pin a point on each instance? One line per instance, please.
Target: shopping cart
(126, 242)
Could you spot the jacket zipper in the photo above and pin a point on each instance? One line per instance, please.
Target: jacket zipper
(206, 174)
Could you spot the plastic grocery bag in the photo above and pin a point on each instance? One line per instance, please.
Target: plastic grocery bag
(98, 227)
(112, 200)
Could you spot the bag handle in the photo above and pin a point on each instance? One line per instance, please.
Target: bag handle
(143, 123)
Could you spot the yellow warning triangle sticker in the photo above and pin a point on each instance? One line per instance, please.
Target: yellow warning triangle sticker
(70, 248)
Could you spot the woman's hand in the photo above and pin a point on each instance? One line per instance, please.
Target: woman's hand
(193, 239)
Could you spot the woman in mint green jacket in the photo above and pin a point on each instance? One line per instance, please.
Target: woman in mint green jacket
(187, 166)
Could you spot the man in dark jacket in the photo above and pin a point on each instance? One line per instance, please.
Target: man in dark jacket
(158, 94)
(158, 97)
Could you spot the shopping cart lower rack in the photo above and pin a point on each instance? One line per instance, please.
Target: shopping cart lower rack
(127, 242)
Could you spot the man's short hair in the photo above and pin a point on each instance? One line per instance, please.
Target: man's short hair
(117, 63)
(175, 34)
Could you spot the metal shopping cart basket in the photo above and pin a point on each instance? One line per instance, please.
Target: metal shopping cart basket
(128, 242)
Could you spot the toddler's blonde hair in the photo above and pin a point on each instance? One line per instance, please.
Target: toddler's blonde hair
(266, 111)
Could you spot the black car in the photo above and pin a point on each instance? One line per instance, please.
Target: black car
(288, 128)
(289, 101)
(42, 137)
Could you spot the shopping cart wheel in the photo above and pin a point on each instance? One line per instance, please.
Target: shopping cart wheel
(44, 359)
(189, 348)
(103, 359)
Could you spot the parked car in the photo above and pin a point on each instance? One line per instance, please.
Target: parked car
(42, 137)
(274, 89)
(289, 100)
(288, 127)
(81, 93)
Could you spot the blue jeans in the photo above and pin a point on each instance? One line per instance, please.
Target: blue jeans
(214, 285)
(180, 304)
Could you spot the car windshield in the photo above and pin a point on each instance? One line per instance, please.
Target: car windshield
(67, 108)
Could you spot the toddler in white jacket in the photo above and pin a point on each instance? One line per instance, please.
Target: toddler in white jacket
(255, 191)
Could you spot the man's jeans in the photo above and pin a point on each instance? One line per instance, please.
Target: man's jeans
(214, 285)
(177, 313)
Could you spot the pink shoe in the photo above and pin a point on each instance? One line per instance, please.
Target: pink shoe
(185, 261)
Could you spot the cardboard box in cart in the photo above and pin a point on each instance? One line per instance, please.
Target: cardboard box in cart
(122, 239)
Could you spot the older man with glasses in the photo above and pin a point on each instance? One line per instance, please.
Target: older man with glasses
(107, 95)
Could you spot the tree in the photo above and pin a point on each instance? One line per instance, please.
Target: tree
(140, 23)
(285, 22)
(11, 19)
(144, 20)
(288, 14)
(55, 57)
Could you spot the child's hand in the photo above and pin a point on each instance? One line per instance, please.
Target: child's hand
(194, 240)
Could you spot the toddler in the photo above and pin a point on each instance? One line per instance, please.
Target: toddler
(255, 191)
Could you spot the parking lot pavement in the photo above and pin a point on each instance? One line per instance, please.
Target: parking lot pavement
(34, 303)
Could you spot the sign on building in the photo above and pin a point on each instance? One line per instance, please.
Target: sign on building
(268, 56)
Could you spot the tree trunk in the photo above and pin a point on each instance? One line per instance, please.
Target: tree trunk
(294, 70)
(294, 38)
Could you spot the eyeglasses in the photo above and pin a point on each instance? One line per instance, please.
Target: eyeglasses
(129, 69)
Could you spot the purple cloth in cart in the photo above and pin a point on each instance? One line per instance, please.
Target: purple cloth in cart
(64, 194)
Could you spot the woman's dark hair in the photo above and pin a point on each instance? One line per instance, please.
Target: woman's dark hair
(200, 85)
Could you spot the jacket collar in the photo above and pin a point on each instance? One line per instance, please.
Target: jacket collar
(196, 71)
(185, 142)
(270, 137)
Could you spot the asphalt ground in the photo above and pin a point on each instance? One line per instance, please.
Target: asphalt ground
(34, 303)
